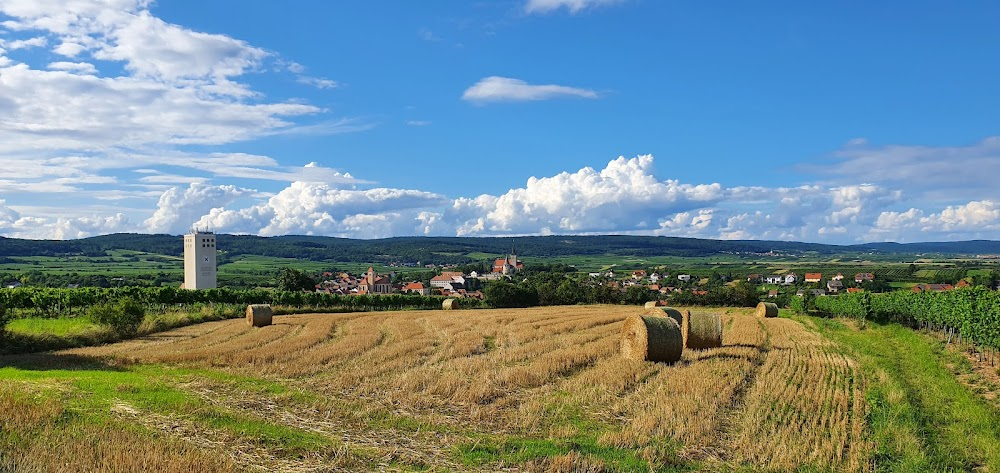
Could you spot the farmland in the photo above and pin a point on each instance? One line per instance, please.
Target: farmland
(526, 389)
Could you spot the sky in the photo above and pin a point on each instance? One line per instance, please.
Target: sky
(834, 122)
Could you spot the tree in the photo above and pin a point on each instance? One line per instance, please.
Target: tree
(502, 294)
(290, 279)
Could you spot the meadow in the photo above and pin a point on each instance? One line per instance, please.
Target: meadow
(541, 389)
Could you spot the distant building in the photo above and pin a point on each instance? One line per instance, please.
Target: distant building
(374, 284)
(834, 285)
(932, 287)
(416, 288)
(790, 278)
(13, 285)
(508, 264)
(774, 279)
(684, 277)
(862, 277)
(814, 277)
(199, 260)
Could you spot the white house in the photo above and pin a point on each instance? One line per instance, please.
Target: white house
(653, 278)
(774, 279)
(790, 278)
(684, 277)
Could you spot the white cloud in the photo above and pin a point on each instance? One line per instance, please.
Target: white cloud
(504, 89)
(179, 208)
(418, 123)
(79, 67)
(315, 208)
(622, 196)
(317, 82)
(36, 42)
(973, 220)
(574, 6)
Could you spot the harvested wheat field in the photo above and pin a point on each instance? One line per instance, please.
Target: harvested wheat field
(542, 389)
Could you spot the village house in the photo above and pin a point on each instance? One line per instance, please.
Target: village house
(638, 274)
(774, 279)
(932, 287)
(838, 277)
(790, 278)
(811, 292)
(772, 293)
(416, 288)
(684, 277)
(834, 285)
(813, 277)
(854, 290)
(862, 277)
(654, 278)
(754, 278)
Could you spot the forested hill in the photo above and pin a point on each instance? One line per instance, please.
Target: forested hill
(455, 249)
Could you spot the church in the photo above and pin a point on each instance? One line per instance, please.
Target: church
(508, 264)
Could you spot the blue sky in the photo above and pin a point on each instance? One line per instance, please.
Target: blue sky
(841, 123)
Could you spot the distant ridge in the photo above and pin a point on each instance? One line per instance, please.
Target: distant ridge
(456, 249)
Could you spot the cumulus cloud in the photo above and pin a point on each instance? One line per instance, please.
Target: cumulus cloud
(574, 6)
(179, 208)
(622, 196)
(976, 219)
(505, 89)
(315, 208)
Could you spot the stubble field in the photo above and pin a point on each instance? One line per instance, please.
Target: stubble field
(528, 389)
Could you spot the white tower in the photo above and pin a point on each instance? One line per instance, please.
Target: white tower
(199, 260)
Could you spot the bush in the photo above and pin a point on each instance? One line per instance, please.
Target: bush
(3, 319)
(123, 317)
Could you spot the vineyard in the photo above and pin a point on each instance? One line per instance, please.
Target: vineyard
(973, 313)
(47, 302)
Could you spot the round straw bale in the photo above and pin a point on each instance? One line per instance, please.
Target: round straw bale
(651, 338)
(767, 309)
(703, 331)
(450, 304)
(259, 315)
(650, 305)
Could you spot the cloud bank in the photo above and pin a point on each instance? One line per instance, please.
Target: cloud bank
(623, 197)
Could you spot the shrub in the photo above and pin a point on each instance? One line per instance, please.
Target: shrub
(123, 317)
(3, 320)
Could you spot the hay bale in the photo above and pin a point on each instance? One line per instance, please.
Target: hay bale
(259, 315)
(650, 305)
(651, 338)
(703, 331)
(767, 309)
(450, 304)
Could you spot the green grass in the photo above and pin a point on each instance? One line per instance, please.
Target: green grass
(921, 417)
(89, 390)
(67, 327)
(34, 334)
